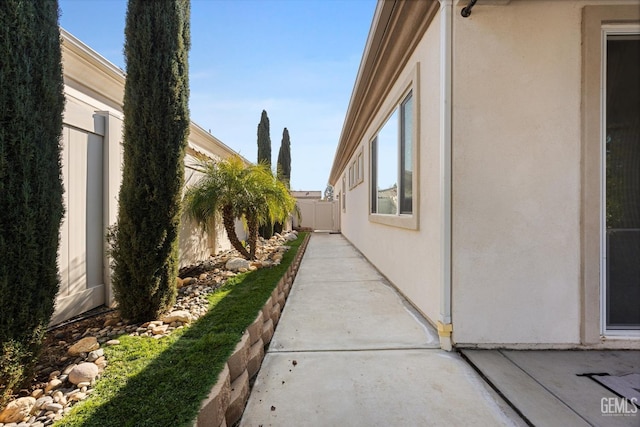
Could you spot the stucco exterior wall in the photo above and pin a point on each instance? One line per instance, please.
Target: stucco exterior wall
(410, 259)
(516, 174)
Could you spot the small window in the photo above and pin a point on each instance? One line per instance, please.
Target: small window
(392, 163)
(356, 171)
(351, 177)
(344, 194)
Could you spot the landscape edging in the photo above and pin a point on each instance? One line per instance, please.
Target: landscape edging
(228, 396)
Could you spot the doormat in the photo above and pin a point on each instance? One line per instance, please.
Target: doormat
(627, 386)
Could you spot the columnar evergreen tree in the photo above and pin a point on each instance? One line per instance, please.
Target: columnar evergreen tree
(283, 168)
(264, 140)
(156, 128)
(31, 205)
(284, 159)
(264, 158)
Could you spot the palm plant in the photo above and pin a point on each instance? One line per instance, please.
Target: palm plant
(269, 201)
(234, 190)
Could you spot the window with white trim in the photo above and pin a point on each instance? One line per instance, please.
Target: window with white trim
(356, 170)
(391, 163)
(344, 194)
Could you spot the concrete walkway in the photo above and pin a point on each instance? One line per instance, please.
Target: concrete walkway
(350, 351)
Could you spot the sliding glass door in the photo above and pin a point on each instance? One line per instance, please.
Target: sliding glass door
(621, 173)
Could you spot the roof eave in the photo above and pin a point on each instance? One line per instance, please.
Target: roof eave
(396, 30)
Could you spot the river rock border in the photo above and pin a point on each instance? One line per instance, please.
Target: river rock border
(227, 399)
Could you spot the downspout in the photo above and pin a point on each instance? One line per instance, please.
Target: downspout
(445, 325)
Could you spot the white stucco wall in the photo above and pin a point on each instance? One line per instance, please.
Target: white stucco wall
(516, 174)
(410, 259)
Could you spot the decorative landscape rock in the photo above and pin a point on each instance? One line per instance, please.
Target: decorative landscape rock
(159, 330)
(290, 237)
(235, 264)
(84, 372)
(85, 345)
(178, 316)
(18, 410)
(43, 401)
(52, 385)
(95, 355)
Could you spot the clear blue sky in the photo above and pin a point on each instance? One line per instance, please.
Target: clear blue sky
(297, 59)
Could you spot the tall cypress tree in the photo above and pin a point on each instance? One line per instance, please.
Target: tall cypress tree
(31, 106)
(284, 159)
(264, 140)
(156, 128)
(283, 168)
(264, 157)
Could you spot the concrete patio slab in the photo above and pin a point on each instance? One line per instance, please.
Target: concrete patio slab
(372, 388)
(349, 316)
(558, 372)
(546, 387)
(530, 397)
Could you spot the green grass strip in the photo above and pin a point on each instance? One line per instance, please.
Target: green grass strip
(161, 382)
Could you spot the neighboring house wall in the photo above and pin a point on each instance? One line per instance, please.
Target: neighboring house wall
(312, 195)
(523, 197)
(91, 170)
(195, 243)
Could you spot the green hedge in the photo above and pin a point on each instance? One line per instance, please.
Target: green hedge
(31, 204)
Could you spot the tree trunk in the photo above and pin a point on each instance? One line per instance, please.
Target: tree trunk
(252, 225)
(230, 227)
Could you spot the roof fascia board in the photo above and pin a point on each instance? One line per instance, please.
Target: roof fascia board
(85, 67)
(397, 29)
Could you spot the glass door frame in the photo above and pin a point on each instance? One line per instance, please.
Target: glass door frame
(608, 30)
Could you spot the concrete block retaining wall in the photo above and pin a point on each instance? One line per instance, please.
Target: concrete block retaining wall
(228, 397)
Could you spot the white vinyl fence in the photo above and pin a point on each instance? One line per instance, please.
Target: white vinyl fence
(318, 215)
